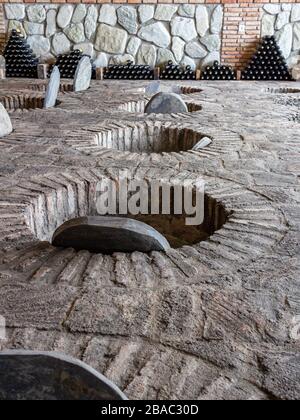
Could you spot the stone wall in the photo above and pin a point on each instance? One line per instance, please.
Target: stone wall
(243, 24)
(146, 34)
(284, 21)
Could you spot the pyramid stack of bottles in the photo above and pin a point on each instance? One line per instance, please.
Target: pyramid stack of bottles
(218, 72)
(129, 71)
(67, 63)
(19, 57)
(175, 72)
(267, 63)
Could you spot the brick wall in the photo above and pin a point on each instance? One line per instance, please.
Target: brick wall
(241, 29)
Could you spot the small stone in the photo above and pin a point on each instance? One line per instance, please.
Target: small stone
(212, 42)
(79, 13)
(147, 55)
(282, 19)
(164, 56)
(39, 44)
(107, 235)
(293, 59)
(64, 15)
(176, 89)
(52, 89)
(286, 7)
(90, 23)
(108, 15)
(268, 25)
(121, 59)
(111, 40)
(165, 12)
(133, 45)
(87, 48)
(156, 33)
(127, 18)
(166, 103)
(153, 88)
(51, 23)
(15, 11)
(216, 22)
(18, 26)
(32, 28)
(284, 37)
(202, 20)
(36, 13)
(50, 6)
(296, 38)
(51, 375)
(211, 58)
(187, 10)
(184, 28)
(178, 48)
(83, 75)
(146, 13)
(101, 60)
(273, 9)
(296, 72)
(48, 59)
(2, 62)
(195, 50)
(187, 61)
(204, 142)
(60, 44)
(5, 123)
(295, 15)
(75, 32)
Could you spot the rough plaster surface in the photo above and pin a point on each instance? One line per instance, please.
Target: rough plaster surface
(213, 320)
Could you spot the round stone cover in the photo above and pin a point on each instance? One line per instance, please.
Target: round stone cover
(166, 103)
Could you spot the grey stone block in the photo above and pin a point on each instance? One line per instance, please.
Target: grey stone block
(83, 75)
(5, 123)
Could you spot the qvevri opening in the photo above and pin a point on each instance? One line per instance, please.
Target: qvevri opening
(82, 201)
(150, 137)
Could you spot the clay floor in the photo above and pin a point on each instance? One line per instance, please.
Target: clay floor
(216, 319)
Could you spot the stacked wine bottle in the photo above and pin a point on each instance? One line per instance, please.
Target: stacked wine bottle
(218, 72)
(268, 63)
(19, 57)
(175, 72)
(129, 71)
(67, 64)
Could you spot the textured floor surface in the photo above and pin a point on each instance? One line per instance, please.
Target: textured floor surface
(219, 319)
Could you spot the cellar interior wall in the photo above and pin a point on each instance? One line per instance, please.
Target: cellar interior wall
(193, 33)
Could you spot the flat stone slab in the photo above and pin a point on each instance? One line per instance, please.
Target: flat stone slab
(83, 75)
(2, 62)
(166, 103)
(52, 89)
(296, 72)
(5, 123)
(27, 375)
(107, 235)
(205, 142)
